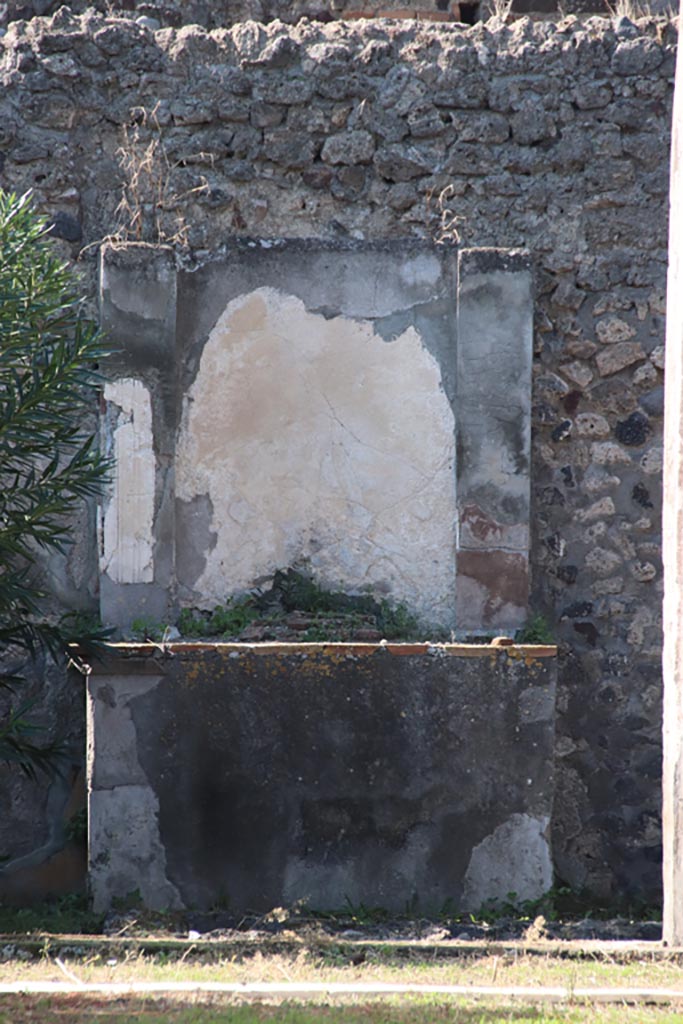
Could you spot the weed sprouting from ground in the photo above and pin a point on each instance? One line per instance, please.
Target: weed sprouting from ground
(70, 914)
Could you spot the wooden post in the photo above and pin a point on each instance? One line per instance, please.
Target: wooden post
(672, 541)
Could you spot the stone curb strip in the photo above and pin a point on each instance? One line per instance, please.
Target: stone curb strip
(617, 950)
(554, 994)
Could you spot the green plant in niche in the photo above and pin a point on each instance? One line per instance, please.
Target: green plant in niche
(396, 622)
(319, 633)
(191, 625)
(333, 627)
(225, 620)
(232, 617)
(49, 459)
(329, 616)
(294, 591)
(143, 629)
(536, 631)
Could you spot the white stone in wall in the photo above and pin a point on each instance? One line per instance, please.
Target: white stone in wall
(319, 444)
(128, 516)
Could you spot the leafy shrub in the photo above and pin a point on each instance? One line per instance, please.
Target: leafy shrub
(49, 460)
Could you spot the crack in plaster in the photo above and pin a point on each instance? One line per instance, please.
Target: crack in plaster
(375, 448)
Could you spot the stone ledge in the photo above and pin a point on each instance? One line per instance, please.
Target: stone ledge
(459, 650)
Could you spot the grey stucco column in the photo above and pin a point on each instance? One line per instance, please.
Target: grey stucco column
(493, 437)
(672, 539)
(138, 292)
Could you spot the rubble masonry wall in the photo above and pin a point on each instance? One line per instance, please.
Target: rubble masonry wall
(552, 138)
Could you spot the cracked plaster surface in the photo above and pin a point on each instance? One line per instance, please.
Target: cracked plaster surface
(318, 443)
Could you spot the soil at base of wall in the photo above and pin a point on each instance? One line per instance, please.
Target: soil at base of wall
(208, 933)
(222, 926)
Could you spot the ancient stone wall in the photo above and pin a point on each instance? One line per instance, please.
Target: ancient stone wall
(551, 138)
(211, 14)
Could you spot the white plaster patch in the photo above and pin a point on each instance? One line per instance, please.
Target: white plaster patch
(317, 441)
(128, 516)
(115, 762)
(126, 852)
(514, 858)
